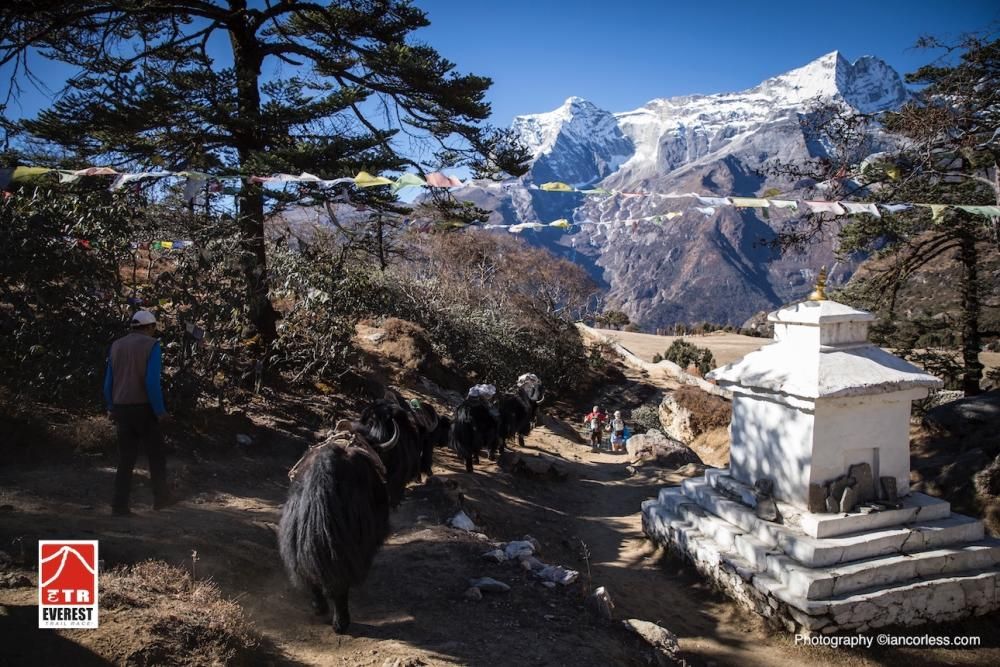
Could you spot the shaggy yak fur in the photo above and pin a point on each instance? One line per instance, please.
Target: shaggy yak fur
(332, 524)
(518, 412)
(426, 422)
(473, 428)
(380, 420)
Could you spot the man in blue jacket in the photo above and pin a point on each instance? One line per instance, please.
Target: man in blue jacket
(135, 403)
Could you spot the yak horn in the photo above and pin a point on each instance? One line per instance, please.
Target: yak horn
(391, 442)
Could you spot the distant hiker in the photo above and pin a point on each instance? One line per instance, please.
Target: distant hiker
(617, 432)
(595, 422)
(135, 403)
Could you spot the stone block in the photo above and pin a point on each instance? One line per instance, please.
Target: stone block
(848, 500)
(865, 483)
(817, 498)
(767, 509)
(889, 493)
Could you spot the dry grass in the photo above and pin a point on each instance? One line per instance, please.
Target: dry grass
(725, 347)
(707, 411)
(153, 613)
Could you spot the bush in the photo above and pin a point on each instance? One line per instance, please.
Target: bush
(686, 354)
(61, 295)
(646, 418)
(78, 262)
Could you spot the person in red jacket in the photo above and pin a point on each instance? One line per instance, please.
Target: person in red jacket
(595, 422)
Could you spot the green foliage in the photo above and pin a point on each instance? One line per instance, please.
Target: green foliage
(948, 155)
(686, 354)
(59, 288)
(146, 93)
(646, 418)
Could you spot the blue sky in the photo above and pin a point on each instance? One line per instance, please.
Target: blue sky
(620, 55)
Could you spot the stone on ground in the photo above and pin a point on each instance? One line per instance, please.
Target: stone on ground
(462, 522)
(663, 642)
(653, 446)
(489, 585)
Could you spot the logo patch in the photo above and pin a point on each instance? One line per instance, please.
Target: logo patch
(67, 583)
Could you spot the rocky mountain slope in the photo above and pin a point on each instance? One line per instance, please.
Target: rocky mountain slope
(693, 267)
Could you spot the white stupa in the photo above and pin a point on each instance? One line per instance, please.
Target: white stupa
(814, 522)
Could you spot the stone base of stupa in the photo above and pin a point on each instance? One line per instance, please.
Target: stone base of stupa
(825, 573)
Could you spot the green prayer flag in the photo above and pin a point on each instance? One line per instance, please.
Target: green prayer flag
(408, 181)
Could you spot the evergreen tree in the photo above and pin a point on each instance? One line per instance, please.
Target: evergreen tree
(228, 86)
(947, 151)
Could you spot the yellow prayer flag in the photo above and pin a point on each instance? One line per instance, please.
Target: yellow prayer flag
(28, 173)
(937, 211)
(556, 186)
(366, 180)
(562, 223)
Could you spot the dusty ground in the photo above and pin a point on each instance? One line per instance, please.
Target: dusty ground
(412, 608)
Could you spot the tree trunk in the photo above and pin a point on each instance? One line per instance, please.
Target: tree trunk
(969, 293)
(250, 202)
(382, 263)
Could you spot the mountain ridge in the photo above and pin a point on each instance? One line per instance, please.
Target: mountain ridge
(720, 143)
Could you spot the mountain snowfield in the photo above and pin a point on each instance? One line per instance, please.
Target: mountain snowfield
(693, 268)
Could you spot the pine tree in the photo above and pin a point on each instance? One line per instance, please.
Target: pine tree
(228, 86)
(946, 151)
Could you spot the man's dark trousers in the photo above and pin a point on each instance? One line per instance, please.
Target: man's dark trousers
(138, 424)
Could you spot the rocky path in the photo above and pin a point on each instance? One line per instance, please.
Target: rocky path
(412, 610)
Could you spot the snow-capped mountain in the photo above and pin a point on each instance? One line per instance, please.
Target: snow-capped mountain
(695, 268)
(579, 140)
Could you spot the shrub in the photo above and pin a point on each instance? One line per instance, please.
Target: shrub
(646, 418)
(686, 354)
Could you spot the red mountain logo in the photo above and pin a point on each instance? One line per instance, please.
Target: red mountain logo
(67, 584)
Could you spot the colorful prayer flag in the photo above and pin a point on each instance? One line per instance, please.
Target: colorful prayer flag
(825, 207)
(986, 211)
(439, 180)
(366, 180)
(556, 186)
(749, 202)
(408, 181)
(854, 208)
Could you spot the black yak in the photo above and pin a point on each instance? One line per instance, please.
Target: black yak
(380, 420)
(474, 427)
(425, 421)
(337, 515)
(519, 409)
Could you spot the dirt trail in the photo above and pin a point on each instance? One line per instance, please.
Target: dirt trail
(412, 607)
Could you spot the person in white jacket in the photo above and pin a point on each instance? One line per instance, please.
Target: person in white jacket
(617, 432)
